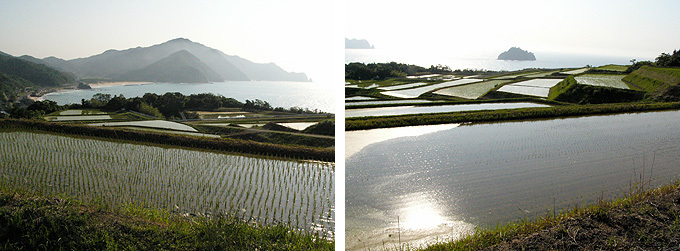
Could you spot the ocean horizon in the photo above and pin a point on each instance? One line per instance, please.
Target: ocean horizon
(548, 60)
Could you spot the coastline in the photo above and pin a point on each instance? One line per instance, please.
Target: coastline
(94, 86)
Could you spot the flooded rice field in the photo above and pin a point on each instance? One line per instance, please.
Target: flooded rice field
(439, 184)
(403, 110)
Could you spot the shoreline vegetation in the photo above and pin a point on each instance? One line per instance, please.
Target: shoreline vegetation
(232, 146)
(34, 222)
(647, 219)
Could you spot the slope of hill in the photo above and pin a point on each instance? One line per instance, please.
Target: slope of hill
(38, 74)
(179, 67)
(661, 83)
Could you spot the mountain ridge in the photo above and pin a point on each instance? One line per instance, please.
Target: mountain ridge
(178, 67)
(114, 63)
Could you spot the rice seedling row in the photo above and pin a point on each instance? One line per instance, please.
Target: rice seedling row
(187, 182)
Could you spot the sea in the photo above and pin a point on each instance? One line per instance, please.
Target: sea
(550, 60)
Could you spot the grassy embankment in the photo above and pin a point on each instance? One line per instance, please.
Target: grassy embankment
(173, 140)
(269, 136)
(364, 123)
(660, 83)
(642, 220)
(32, 222)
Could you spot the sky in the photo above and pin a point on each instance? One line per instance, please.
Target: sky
(298, 35)
(626, 28)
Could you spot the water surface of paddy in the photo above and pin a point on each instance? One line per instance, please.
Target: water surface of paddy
(402, 110)
(444, 183)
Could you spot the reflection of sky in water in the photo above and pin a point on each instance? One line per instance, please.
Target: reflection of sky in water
(488, 174)
(356, 140)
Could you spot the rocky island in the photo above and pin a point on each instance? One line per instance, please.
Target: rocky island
(515, 53)
(357, 44)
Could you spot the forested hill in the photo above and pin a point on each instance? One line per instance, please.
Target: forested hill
(19, 77)
(38, 74)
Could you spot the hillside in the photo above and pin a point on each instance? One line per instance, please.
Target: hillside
(661, 83)
(37, 74)
(179, 67)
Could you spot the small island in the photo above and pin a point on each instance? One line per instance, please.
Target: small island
(515, 53)
(357, 44)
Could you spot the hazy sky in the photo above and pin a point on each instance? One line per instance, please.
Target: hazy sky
(482, 28)
(298, 35)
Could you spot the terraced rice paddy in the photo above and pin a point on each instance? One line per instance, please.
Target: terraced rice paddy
(298, 125)
(355, 98)
(533, 87)
(80, 112)
(403, 110)
(574, 72)
(365, 87)
(602, 80)
(189, 182)
(470, 91)
(385, 102)
(78, 118)
(398, 87)
(415, 92)
(159, 124)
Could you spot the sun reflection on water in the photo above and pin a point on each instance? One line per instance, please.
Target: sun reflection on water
(421, 214)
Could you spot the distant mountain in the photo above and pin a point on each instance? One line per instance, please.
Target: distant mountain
(179, 67)
(113, 63)
(515, 53)
(357, 44)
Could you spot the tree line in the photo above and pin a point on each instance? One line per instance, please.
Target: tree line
(663, 60)
(171, 105)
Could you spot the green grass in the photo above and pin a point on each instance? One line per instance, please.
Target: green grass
(651, 78)
(267, 137)
(365, 123)
(613, 67)
(32, 222)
